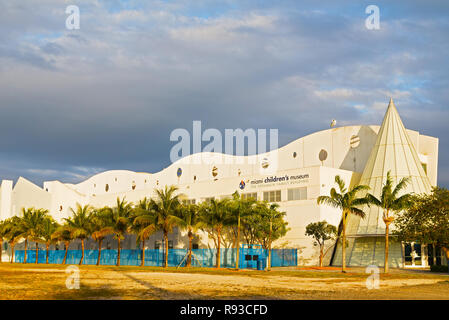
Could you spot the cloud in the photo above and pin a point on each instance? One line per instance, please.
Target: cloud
(108, 95)
(335, 93)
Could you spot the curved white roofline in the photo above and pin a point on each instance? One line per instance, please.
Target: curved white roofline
(233, 158)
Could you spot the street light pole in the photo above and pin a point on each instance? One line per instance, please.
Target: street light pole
(238, 243)
(269, 247)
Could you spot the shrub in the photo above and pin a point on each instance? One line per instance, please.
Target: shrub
(436, 268)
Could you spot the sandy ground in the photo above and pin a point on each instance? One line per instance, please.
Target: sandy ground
(49, 282)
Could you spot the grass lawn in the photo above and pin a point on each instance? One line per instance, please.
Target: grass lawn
(30, 281)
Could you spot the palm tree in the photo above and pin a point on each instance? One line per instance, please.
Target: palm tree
(165, 208)
(143, 224)
(348, 203)
(271, 214)
(63, 233)
(80, 224)
(240, 209)
(48, 228)
(390, 202)
(3, 232)
(14, 233)
(191, 221)
(117, 222)
(216, 214)
(32, 221)
(99, 221)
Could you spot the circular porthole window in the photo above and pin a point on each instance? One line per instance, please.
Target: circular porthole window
(214, 171)
(106, 188)
(194, 178)
(322, 155)
(179, 172)
(133, 186)
(265, 163)
(354, 142)
(294, 154)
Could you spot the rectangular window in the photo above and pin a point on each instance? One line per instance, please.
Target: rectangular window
(170, 244)
(272, 196)
(252, 195)
(297, 194)
(188, 201)
(157, 245)
(208, 199)
(195, 246)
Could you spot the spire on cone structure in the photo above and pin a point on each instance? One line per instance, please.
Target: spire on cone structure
(391, 102)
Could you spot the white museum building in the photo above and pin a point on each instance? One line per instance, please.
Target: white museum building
(304, 170)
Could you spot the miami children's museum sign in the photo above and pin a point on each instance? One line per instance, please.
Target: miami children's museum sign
(279, 180)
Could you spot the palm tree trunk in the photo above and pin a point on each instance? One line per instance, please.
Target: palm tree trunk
(166, 249)
(82, 252)
(321, 254)
(387, 227)
(25, 252)
(446, 250)
(66, 249)
(189, 257)
(218, 247)
(1, 250)
(143, 253)
(47, 249)
(118, 252)
(37, 252)
(12, 252)
(343, 244)
(387, 222)
(237, 259)
(99, 251)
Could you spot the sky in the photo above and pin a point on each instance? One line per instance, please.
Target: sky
(107, 95)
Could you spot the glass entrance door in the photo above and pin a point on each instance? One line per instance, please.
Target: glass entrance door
(412, 254)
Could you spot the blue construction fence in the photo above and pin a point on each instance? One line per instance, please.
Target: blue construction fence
(205, 258)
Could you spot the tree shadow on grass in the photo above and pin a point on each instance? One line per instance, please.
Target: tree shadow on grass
(159, 293)
(86, 292)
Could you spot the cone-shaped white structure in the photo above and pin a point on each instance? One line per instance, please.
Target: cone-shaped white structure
(393, 151)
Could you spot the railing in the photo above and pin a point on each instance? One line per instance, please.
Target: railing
(176, 257)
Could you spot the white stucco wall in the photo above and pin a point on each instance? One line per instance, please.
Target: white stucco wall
(26, 195)
(197, 181)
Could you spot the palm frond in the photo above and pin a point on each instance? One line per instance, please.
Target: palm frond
(341, 184)
(372, 200)
(400, 186)
(357, 212)
(328, 201)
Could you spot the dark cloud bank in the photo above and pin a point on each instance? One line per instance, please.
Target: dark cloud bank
(108, 95)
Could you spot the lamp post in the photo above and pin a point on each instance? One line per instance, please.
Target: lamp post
(238, 242)
(269, 247)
